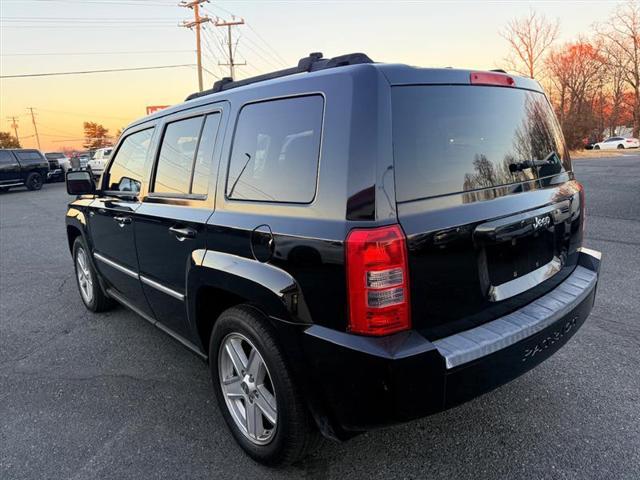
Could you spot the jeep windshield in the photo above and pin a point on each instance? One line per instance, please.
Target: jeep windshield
(460, 138)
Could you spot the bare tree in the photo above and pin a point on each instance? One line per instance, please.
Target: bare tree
(576, 69)
(529, 38)
(621, 40)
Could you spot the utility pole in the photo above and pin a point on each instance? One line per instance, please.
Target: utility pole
(14, 125)
(197, 20)
(231, 63)
(35, 127)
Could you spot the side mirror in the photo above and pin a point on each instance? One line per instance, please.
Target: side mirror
(80, 182)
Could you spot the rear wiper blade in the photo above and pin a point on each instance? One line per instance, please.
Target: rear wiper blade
(550, 159)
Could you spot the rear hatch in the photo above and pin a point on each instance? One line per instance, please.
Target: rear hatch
(486, 197)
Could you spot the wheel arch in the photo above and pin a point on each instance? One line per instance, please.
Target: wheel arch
(221, 281)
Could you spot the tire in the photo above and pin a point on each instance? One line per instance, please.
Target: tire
(620, 147)
(293, 434)
(87, 280)
(597, 147)
(34, 181)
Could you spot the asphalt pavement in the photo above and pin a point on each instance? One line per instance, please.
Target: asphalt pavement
(108, 396)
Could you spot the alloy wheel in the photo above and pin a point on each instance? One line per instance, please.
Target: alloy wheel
(247, 388)
(85, 281)
(36, 182)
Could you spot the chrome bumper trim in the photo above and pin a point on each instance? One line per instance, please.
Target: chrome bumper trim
(490, 337)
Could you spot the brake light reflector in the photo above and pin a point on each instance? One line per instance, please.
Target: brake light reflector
(378, 281)
(583, 208)
(492, 78)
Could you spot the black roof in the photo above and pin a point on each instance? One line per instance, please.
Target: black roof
(312, 63)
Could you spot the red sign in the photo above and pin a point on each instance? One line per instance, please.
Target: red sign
(156, 108)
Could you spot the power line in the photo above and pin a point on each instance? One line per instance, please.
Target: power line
(269, 50)
(140, 3)
(57, 26)
(269, 61)
(267, 44)
(132, 52)
(94, 71)
(79, 114)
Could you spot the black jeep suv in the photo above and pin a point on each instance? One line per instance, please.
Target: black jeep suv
(348, 244)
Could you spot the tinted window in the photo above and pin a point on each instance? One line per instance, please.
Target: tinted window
(6, 158)
(173, 173)
(186, 156)
(28, 155)
(461, 138)
(276, 150)
(204, 158)
(53, 156)
(127, 169)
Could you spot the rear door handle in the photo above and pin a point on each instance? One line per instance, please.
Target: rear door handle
(183, 233)
(122, 221)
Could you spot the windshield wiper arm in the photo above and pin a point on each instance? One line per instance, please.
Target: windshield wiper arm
(519, 166)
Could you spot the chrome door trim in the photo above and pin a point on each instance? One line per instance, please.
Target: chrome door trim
(121, 299)
(162, 288)
(115, 265)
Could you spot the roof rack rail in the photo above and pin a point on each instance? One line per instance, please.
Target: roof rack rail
(312, 63)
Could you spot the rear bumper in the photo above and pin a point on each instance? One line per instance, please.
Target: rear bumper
(56, 173)
(366, 382)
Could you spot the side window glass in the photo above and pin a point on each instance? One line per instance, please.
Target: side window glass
(6, 158)
(29, 155)
(186, 156)
(177, 152)
(202, 169)
(127, 170)
(275, 151)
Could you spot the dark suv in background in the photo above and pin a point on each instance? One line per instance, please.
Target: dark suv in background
(22, 168)
(348, 244)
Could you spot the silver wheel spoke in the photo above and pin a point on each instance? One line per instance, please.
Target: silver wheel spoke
(255, 427)
(235, 358)
(232, 387)
(253, 363)
(267, 404)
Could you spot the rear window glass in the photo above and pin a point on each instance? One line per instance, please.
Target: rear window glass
(450, 139)
(276, 150)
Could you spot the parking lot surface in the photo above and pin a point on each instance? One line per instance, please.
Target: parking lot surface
(85, 396)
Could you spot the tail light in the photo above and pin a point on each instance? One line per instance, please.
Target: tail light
(378, 281)
(629, 140)
(583, 208)
(491, 78)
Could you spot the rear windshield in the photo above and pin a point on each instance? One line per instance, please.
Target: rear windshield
(458, 138)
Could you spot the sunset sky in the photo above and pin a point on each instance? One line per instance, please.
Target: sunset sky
(41, 36)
